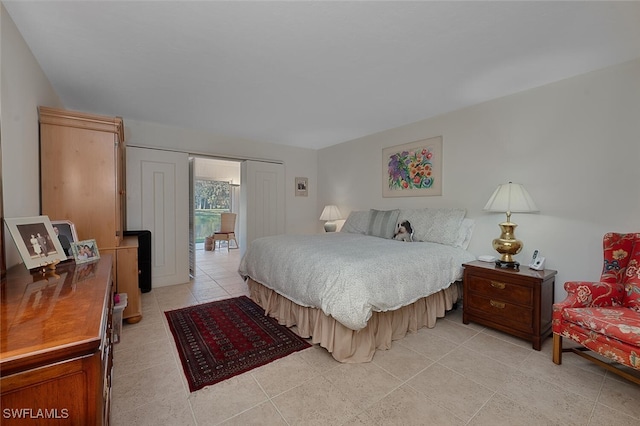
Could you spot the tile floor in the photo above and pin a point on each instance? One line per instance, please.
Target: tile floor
(453, 374)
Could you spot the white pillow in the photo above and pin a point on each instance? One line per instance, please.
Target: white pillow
(464, 233)
(434, 225)
(357, 222)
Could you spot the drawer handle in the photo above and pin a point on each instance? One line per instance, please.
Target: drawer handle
(498, 284)
(496, 304)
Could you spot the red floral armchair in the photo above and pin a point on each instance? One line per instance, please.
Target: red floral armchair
(604, 316)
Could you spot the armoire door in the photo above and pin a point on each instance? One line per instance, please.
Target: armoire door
(158, 201)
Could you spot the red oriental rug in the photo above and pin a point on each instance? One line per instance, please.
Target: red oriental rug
(219, 340)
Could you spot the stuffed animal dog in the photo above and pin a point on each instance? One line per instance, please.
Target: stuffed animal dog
(404, 232)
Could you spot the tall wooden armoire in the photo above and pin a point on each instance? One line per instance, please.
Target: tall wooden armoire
(82, 179)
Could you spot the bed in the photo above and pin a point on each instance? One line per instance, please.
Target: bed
(357, 290)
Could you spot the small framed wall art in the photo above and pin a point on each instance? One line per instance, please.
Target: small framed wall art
(413, 169)
(36, 241)
(302, 187)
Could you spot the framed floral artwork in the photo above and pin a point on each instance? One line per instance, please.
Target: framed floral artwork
(413, 169)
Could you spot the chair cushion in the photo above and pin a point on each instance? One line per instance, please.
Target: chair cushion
(606, 346)
(620, 323)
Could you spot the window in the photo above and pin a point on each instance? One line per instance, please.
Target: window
(211, 198)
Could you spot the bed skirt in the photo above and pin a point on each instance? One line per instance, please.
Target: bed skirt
(347, 345)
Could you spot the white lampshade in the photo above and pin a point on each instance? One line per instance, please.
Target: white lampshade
(511, 198)
(330, 212)
(508, 198)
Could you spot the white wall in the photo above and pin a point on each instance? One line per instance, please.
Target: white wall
(574, 144)
(23, 88)
(300, 215)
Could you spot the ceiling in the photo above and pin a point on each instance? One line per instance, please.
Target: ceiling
(313, 74)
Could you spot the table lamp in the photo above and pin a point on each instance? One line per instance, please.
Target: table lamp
(509, 198)
(330, 214)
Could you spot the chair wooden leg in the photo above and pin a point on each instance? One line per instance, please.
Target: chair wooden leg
(557, 349)
(586, 353)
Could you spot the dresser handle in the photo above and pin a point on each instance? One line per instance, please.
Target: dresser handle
(496, 304)
(497, 284)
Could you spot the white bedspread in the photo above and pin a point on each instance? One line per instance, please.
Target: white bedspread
(349, 276)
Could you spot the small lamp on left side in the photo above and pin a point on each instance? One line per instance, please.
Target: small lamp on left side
(330, 214)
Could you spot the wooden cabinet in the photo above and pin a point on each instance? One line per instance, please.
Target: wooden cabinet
(82, 179)
(125, 268)
(518, 302)
(55, 345)
(82, 173)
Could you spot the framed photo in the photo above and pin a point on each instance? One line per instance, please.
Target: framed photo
(85, 251)
(66, 232)
(36, 241)
(413, 169)
(302, 184)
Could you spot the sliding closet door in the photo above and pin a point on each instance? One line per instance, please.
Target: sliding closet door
(158, 201)
(261, 201)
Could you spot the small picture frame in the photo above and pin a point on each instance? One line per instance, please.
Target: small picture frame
(85, 251)
(302, 187)
(66, 232)
(36, 241)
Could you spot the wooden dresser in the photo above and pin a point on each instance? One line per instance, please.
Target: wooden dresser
(55, 345)
(518, 302)
(82, 179)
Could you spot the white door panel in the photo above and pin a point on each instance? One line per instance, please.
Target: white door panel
(158, 200)
(262, 201)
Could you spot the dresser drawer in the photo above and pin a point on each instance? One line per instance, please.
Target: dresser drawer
(499, 311)
(501, 290)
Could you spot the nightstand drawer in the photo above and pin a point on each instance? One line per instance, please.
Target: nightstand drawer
(490, 308)
(501, 290)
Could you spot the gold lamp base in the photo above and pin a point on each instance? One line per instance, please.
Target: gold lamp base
(508, 246)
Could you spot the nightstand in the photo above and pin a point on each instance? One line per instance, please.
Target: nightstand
(515, 301)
